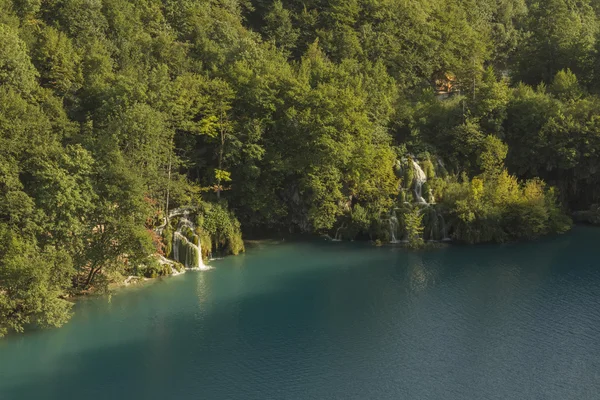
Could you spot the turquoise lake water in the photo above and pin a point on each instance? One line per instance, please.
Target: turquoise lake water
(323, 320)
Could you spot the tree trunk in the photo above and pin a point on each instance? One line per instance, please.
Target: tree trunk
(169, 182)
(91, 275)
(220, 167)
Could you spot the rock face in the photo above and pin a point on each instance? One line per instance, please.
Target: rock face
(591, 216)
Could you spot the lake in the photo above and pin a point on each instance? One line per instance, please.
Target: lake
(324, 320)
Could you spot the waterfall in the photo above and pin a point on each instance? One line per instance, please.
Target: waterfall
(434, 224)
(393, 227)
(176, 212)
(162, 226)
(445, 237)
(420, 179)
(338, 233)
(187, 247)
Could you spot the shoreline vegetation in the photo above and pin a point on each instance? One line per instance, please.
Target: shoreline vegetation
(133, 132)
(179, 269)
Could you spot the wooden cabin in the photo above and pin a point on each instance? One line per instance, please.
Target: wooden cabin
(445, 85)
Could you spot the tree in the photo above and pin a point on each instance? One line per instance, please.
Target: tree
(221, 129)
(561, 35)
(116, 239)
(58, 62)
(16, 69)
(31, 283)
(278, 27)
(565, 86)
(413, 221)
(300, 115)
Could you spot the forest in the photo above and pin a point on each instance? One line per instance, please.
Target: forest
(383, 120)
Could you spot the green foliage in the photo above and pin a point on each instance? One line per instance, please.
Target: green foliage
(492, 155)
(560, 34)
(295, 116)
(409, 176)
(16, 69)
(168, 240)
(154, 269)
(31, 282)
(428, 168)
(222, 228)
(278, 26)
(492, 97)
(58, 62)
(565, 86)
(223, 176)
(413, 225)
(496, 208)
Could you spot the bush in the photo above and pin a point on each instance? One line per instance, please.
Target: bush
(496, 208)
(221, 230)
(154, 269)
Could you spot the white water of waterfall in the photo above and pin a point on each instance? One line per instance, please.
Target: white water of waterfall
(175, 248)
(420, 179)
(165, 261)
(445, 237)
(185, 251)
(338, 233)
(393, 227)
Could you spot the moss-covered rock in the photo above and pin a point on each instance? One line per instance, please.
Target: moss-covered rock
(221, 231)
(428, 168)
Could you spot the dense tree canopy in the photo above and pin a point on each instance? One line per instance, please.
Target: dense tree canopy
(471, 120)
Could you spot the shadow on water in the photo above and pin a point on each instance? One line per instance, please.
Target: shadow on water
(336, 321)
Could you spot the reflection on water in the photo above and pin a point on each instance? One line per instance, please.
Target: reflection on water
(316, 320)
(201, 287)
(419, 275)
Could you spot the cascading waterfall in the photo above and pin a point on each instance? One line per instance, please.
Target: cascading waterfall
(187, 247)
(435, 224)
(393, 227)
(445, 237)
(338, 233)
(420, 179)
(162, 260)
